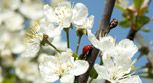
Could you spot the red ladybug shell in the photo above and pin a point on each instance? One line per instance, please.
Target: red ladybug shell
(86, 48)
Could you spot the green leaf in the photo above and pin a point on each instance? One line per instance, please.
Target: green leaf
(142, 20)
(124, 23)
(11, 79)
(138, 3)
(145, 29)
(143, 10)
(93, 73)
(119, 7)
(75, 56)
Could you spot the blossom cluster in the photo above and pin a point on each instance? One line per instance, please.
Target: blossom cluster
(62, 65)
(38, 54)
(117, 59)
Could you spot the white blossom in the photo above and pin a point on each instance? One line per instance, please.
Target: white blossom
(11, 42)
(60, 15)
(9, 4)
(27, 70)
(62, 66)
(31, 9)
(54, 3)
(11, 20)
(116, 67)
(107, 43)
(35, 35)
(80, 17)
(32, 41)
(80, 13)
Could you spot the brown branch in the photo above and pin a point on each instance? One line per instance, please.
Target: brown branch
(103, 29)
(132, 34)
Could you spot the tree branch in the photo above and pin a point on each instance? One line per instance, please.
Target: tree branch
(132, 34)
(103, 29)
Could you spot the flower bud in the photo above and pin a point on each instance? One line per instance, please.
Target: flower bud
(113, 23)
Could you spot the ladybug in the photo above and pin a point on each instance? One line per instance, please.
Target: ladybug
(86, 51)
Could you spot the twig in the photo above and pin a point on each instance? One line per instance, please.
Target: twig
(103, 29)
(132, 34)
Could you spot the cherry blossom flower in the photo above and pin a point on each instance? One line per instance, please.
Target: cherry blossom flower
(115, 68)
(108, 42)
(80, 17)
(62, 66)
(27, 70)
(60, 15)
(31, 9)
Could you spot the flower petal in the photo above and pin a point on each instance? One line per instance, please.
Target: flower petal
(90, 22)
(32, 49)
(132, 79)
(80, 67)
(128, 46)
(80, 13)
(94, 41)
(104, 44)
(50, 14)
(47, 69)
(67, 79)
(102, 71)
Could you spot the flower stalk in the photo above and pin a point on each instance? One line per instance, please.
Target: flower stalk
(53, 46)
(67, 37)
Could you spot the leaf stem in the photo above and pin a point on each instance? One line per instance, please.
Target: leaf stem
(78, 45)
(67, 37)
(53, 46)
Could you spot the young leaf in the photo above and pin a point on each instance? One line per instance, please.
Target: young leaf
(145, 29)
(124, 23)
(142, 20)
(138, 3)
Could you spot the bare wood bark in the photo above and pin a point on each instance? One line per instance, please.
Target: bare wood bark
(103, 29)
(132, 34)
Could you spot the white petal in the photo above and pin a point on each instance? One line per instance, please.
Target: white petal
(50, 14)
(10, 5)
(67, 79)
(54, 3)
(50, 29)
(18, 48)
(90, 22)
(14, 21)
(94, 41)
(48, 69)
(102, 71)
(32, 11)
(79, 68)
(107, 43)
(53, 31)
(104, 44)
(80, 13)
(32, 49)
(66, 57)
(64, 13)
(109, 59)
(128, 46)
(132, 79)
(116, 62)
